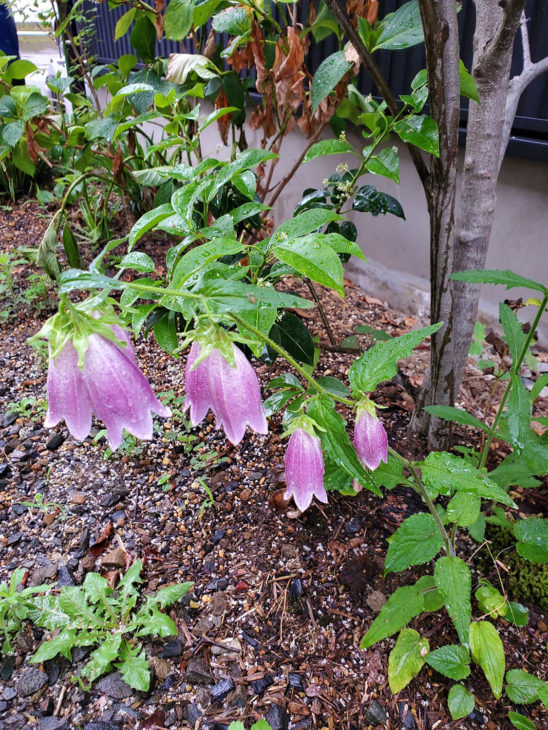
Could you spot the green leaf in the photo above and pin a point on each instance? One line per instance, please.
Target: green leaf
(203, 11)
(313, 259)
(127, 588)
(401, 29)
(453, 661)
(523, 688)
(328, 147)
(454, 582)
(406, 659)
(71, 247)
(293, 335)
(514, 335)
(262, 318)
(380, 362)
(487, 651)
(457, 415)
(148, 221)
(19, 69)
(202, 255)
(12, 133)
(35, 106)
(333, 385)
(260, 725)
(169, 595)
(143, 38)
(234, 21)
(386, 163)
(388, 475)
(329, 73)
(496, 276)
(335, 440)
(518, 413)
(154, 623)
(138, 261)
(95, 587)
(426, 586)
(444, 473)
(468, 87)
(123, 23)
(61, 644)
(521, 722)
(178, 19)
(511, 473)
(464, 509)
(101, 659)
(306, 222)
(532, 534)
(421, 131)
(227, 296)
(133, 667)
(416, 541)
(516, 614)
(402, 606)
(460, 701)
(369, 200)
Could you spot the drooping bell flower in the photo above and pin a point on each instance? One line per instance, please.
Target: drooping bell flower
(304, 468)
(230, 389)
(370, 440)
(91, 371)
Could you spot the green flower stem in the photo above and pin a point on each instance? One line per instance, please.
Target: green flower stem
(421, 489)
(291, 361)
(516, 367)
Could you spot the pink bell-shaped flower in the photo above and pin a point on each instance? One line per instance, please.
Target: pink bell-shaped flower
(304, 469)
(232, 392)
(370, 440)
(110, 385)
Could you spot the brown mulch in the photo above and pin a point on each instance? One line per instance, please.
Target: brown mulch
(292, 594)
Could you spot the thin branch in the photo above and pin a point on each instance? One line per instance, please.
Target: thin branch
(380, 82)
(525, 41)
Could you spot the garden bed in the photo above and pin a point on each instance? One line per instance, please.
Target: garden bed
(280, 601)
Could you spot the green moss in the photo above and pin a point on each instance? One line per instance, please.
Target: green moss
(526, 582)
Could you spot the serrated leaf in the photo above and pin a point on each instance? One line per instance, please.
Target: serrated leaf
(327, 76)
(444, 473)
(514, 335)
(96, 587)
(101, 659)
(328, 147)
(518, 413)
(416, 541)
(521, 722)
(497, 276)
(380, 362)
(532, 534)
(155, 623)
(452, 661)
(406, 659)
(487, 651)
(127, 588)
(133, 667)
(169, 595)
(523, 688)
(388, 475)
(460, 701)
(457, 415)
(426, 586)
(454, 582)
(61, 644)
(403, 605)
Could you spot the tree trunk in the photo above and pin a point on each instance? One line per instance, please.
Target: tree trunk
(442, 56)
(493, 43)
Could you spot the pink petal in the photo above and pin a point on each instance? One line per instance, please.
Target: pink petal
(196, 387)
(370, 440)
(67, 394)
(304, 469)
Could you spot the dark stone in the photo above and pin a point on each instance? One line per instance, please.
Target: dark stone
(302, 725)
(171, 649)
(352, 526)
(220, 690)
(64, 577)
(295, 588)
(217, 584)
(261, 685)
(53, 668)
(9, 693)
(277, 717)
(218, 536)
(406, 718)
(3, 706)
(110, 499)
(168, 682)
(18, 509)
(55, 441)
(251, 641)
(476, 716)
(375, 714)
(102, 725)
(6, 670)
(197, 672)
(193, 714)
(53, 723)
(295, 681)
(14, 538)
(31, 681)
(8, 419)
(114, 686)
(4, 470)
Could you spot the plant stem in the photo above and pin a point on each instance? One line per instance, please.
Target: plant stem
(516, 367)
(421, 489)
(323, 315)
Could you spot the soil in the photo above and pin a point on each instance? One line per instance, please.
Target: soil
(292, 593)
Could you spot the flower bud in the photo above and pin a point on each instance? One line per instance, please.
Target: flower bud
(304, 469)
(370, 440)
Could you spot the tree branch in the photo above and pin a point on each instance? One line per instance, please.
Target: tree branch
(505, 35)
(353, 36)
